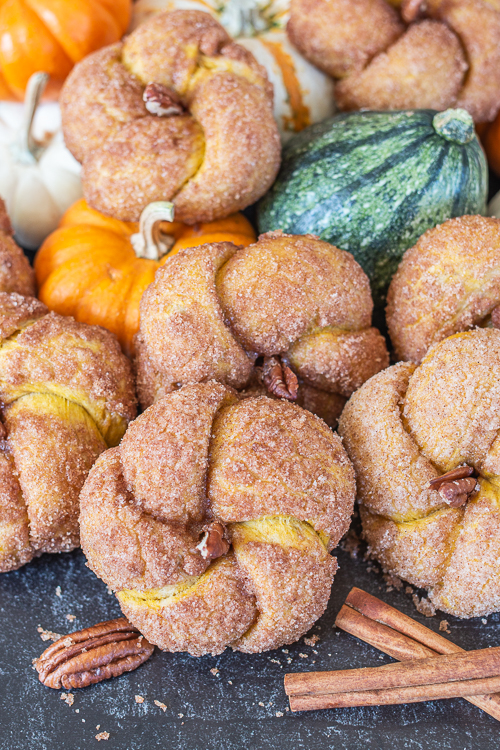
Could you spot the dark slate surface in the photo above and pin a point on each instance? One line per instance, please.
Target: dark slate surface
(234, 709)
(241, 704)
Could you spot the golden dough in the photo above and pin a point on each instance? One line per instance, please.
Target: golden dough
(217, 151)
(448, 282)
(213, 310)
(274, 476)
(67, 394)
(409, 425)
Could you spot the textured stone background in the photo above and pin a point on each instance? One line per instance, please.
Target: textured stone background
(242, 705)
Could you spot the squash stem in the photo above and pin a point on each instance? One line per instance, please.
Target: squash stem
(29, 150)
(148, 242)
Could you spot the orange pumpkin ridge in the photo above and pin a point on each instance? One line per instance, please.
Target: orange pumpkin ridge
(88, 268)
(52, 35)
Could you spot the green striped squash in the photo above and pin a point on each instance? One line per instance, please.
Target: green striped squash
(373, 182)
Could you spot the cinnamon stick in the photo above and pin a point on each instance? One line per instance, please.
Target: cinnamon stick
(391, 696)
(399, 636)
(466, 666)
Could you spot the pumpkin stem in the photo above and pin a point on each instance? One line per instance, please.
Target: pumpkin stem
(454, 125)
(29, 150)
(244, 18)
(148, 242)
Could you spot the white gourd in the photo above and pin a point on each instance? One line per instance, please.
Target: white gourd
(39, 179)
(302, 93)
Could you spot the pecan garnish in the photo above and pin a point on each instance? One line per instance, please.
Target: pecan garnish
(105, 650)
(455, 486)
(279, 378)
(412, 9)
(495, 317)
(162, 101)
(213, 544)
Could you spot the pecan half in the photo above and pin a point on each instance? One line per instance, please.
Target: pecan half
(412, 9)
(279, 378)
(162, 101)
(105, 650)
(495, 317)
(455, 486)
(213, 544)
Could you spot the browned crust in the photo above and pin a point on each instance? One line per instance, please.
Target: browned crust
(283, 286)
(218, 158)
(341, 36)
(18, 312)
(16, 274)
(218, 612)
(53, 443)
(98, 97)
(144, 504)
(424, 68)
(396, 429)
(146, 160)
(183, 329)
(478, 26)
(291, 586)
(242, 147)
(448, 282)
(65, 389)
(212, 310)
(80, 362)
(273, 458)
(5, 225)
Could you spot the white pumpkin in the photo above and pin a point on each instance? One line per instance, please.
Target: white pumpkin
(39, 179)
(302, 93)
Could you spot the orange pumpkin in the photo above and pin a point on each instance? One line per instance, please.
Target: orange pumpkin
(96, 268)
(491, 143)
(53, 35)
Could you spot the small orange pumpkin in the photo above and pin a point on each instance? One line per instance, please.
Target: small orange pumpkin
(53, 35)
(96, 268)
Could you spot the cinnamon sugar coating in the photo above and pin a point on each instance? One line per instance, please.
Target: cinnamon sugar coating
(341, 36)
(410, 424)
(213, 310)
(275, 477)
(424, 69)
(67, 394)
(477, 24)
(221, 155)
(16, 274)
(447, 56)
(448, 282)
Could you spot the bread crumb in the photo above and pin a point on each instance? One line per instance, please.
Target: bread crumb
(261, 704)
(285, 650)
(58, 591)
(229, 682)
(102, 736)
(275, 661)
(71, 618)
(98, 726)
(48, 635)
(304, 656)
(445, 626)
(215, 671)
(424, 606)
(279, 713)
(484, 620)
(180, 716)
(350, 543)
(68, 698)
(312, 641)
(392, 582)
(139, 699)
(160, 705)
(408, 590)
